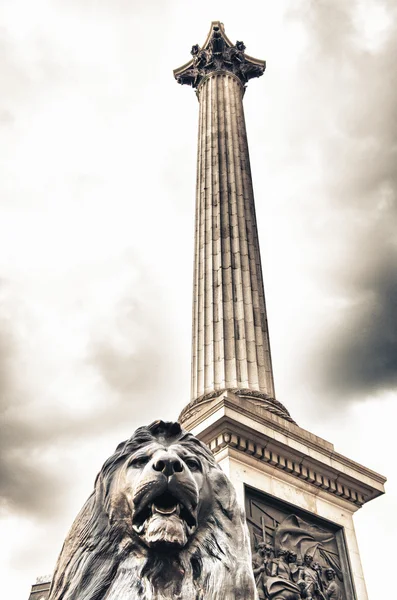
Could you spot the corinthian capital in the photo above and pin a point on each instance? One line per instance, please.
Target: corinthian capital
(219, 54)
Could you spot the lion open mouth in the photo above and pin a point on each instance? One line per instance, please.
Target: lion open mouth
(165, 520)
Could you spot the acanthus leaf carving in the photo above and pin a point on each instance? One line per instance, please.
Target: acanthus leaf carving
(219, 56)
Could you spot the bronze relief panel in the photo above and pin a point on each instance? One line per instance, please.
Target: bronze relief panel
(295, 554)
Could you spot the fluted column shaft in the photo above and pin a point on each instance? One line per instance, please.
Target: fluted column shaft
(230, 346)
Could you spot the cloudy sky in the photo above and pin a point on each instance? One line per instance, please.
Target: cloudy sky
(96, 240)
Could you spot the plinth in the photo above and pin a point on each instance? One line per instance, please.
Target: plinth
(298, 492)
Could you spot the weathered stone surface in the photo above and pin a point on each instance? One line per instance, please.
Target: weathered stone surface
(162, 523)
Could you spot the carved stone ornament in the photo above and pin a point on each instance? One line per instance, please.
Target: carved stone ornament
(295, 558)
(162, 523)
(219, 54)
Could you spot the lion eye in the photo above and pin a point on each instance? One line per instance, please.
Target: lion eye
(193, 464)
(140, 461)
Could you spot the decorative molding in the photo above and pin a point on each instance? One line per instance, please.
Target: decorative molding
(299, 467)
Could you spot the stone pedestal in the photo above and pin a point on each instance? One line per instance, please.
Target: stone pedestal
(281, 471)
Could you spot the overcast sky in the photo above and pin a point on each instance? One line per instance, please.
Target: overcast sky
(97, 191)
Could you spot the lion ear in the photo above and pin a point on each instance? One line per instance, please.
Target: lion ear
(168, 427)
(175, 428)
(156, 426)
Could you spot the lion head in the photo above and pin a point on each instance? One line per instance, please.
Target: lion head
(162, 523)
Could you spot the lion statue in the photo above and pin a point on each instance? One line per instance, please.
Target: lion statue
(162, 523)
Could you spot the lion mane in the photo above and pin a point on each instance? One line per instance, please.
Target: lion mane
(162, 523)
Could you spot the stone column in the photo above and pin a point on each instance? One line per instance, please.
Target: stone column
(230, 341)
(230, 335)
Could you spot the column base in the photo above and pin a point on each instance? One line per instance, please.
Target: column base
(255, 397)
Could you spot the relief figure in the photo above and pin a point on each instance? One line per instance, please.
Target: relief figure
(261, 564)
(332, 588)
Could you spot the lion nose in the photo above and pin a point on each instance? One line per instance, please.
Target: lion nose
(168, 465)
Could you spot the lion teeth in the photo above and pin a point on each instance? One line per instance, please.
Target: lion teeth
(166, 511)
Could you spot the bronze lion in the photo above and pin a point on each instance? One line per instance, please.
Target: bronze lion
(162, 523)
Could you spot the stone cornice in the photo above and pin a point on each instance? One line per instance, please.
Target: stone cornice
(233, 424)
(262, 415)
(302, 467)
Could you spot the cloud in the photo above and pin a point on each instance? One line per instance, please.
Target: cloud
(25, 483)
(354, 348)
(94, 388)
(361, 350)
